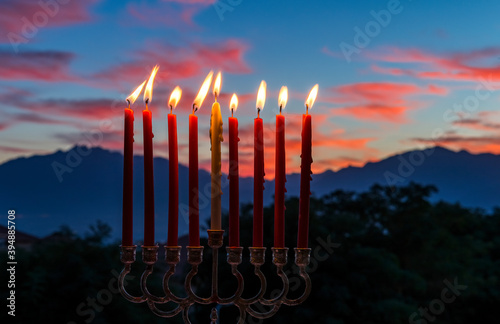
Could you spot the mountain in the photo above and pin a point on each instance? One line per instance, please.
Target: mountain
(82, 185)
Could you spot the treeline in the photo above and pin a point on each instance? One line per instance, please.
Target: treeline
(387, 255)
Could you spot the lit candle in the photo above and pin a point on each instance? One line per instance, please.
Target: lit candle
(194, 209)
(305, 172)
(149, 201)
(128, 170)
(215, 141)
(173, 170)
(258, 169)
(234, 195)
(280, 174)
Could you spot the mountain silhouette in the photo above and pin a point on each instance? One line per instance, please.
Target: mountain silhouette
(82, 185)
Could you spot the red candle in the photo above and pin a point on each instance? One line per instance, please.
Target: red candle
(280, 174)
(234, 195)
(194, 209)
(173, 171)
(173, 183)
(305, 173)
(258, 169)
(149, 200)
(128, 158)
(128, 169)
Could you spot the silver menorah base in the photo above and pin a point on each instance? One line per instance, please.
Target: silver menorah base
(234, 258)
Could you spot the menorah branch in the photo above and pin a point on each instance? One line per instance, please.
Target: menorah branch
(234, 259)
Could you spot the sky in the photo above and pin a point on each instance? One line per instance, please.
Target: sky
(393, 75)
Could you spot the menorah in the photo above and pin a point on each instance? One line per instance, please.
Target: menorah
(215, 234)
(234, 258)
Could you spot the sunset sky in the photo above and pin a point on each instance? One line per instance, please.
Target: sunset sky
(393, 75)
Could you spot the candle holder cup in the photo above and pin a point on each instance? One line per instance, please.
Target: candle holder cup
(234, 259)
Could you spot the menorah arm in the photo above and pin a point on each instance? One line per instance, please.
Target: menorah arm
(165, 314)
(234, 258)
(257, 258)
(127, 257)
(150, 257)
(121, 286)
(172, 257)
(284, 290)
(195, 257)
(302, 259)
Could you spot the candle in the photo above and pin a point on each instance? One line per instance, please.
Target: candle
(173, 171)
(149, 202)
(128, 170)
(234, 195)
(305, 172)
(258, 175)
(194, 209)
(280, 174)
(215, 141)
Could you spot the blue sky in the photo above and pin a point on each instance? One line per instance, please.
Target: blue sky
(426, 73)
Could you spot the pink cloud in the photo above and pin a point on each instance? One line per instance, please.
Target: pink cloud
(482, 122)
(379, 101)
(86, 109)
(477, 144)
(177, 14)
(49, 66)
(323, 146)
(375, 112)
(179, 62)
(19, 150)
(16, 14)
(462, 66)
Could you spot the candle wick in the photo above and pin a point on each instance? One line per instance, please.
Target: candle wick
(147, 104)
(171, 108)
(258, 112)
(128, 103)
(232, 112)
(307, 109)
(281, 106)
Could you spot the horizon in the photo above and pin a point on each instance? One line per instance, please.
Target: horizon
(387, 84)
(248, 176)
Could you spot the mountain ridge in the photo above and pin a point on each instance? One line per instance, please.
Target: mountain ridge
(81, 185)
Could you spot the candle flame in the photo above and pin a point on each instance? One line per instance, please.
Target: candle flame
(234, 102)
(133, 96)
(203, 91)
(148, 93)
(217, 85)
(283, 97)
(261, 95)
(175, 97)
(312, 97)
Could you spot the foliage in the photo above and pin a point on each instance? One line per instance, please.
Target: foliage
(396, 251)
